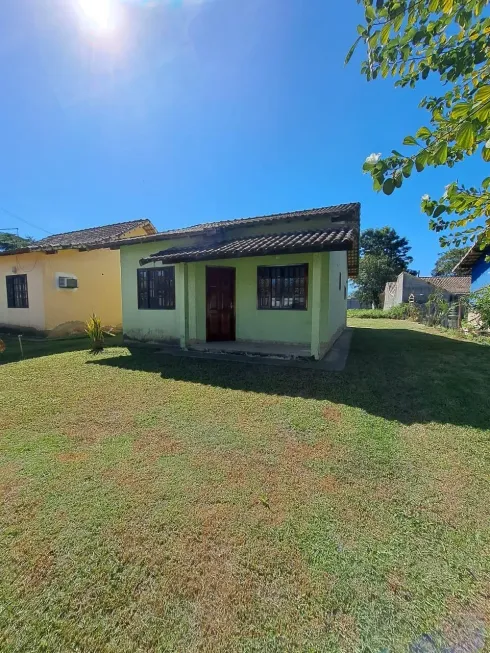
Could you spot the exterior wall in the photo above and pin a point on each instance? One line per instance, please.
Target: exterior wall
(407, 285)
(253, 324)
(316, 327)
(99, 289)
(146, 325)
(480, 274)
(334, 303)
(34, 316)
(393, 294)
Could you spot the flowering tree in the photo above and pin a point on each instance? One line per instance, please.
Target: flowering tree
(411, 40)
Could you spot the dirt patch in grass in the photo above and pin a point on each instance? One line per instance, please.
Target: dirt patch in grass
(34, 560)
(72, 457)
(332, 413)
(153, 444)
(92, 428)
(10, 482)
(275, 482)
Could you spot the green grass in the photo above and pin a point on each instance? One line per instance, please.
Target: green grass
(154, 503)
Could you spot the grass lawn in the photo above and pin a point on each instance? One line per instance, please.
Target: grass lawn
(153, 503)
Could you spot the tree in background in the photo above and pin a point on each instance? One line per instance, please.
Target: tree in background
(410, 41)
(384, 254)
(374, 272)
(446, 261)
(386, 242)
(9, 242)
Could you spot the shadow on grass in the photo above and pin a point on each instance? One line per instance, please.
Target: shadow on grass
(37, 347)
(398, 374)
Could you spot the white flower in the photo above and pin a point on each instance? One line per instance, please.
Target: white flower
(446, 190)
(373, 158)
(425, 198)
(487, 144)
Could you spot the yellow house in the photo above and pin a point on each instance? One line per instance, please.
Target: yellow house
(55, 284)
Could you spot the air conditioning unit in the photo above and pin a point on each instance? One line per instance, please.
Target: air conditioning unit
(67, 282)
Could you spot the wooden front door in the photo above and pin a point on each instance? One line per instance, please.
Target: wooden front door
(220, 304)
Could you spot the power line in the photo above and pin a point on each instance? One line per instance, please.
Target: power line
(17, 217)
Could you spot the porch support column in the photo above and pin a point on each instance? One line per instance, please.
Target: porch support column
(191, 302)
(181, 302)
(315, 299)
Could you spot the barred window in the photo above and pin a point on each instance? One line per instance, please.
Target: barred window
(156, 288)
(17, 296)
(282, 287)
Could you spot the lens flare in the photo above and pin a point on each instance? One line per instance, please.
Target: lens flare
(101, 15)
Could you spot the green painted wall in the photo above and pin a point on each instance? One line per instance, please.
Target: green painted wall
(334, 298)
(145, 324)
(252, 324)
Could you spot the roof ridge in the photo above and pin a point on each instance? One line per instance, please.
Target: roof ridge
(101, 226)
(331, 209)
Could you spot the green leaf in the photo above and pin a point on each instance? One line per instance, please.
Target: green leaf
(373, 40)
(486, 183)
(460, 110)
(483, 94)
(377, 186)
(407, 168)
(409, 140)
(388, 186)
(447, 6)
(351, 52)
(421, 160)
(423, 132)
(385, 34)
(486, 154)
(370, 13)
(466, 136)
(439, 211)
(483, 114)
(398, 21)
(433, 5)
(361, 30)
(440, 155)
(398, 179)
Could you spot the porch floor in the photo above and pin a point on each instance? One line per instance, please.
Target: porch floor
(274, 350)
(334, 361)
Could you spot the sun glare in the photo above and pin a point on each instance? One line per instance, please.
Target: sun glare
(101, 15)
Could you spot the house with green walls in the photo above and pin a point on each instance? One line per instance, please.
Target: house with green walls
(270, 285)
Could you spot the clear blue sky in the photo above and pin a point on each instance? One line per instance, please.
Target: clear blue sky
(188, 111)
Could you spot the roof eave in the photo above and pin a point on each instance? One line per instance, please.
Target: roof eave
(351, 216)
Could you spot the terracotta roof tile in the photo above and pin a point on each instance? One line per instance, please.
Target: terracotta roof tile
(85, 238)
(453, 285)
(344, 239)
(91, 236)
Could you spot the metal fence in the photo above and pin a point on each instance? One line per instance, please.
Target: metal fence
(441, 313)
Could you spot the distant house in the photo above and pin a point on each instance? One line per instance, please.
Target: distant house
(474, 262)
(400, 291)
(55, 284)
(274, 285)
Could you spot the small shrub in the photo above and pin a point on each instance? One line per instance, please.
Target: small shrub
(94, 330)
(403, 312)
(400, 312)
(373, 314)
(480, 304)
